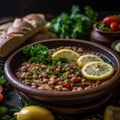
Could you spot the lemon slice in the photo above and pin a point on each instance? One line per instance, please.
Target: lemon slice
(82, 60)
(70, 55)
(97, 70)
(112, 113)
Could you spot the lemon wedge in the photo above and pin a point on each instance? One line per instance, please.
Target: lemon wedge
(97, 70)
(70, 55)
(112, 113)
(83, 59)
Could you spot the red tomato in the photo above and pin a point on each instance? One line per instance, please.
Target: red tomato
(66, 84)
(1, 88)
(109, 19)
(1, 97)
(114, 26)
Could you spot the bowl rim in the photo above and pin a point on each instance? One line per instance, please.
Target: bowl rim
(104, 32)
(114, 44)
(44, 93)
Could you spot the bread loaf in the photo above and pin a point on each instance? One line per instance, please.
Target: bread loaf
(4, 27)
(42, 35)
(19, 31)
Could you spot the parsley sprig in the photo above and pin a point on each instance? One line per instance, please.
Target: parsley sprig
(37, 53)
(74, 25)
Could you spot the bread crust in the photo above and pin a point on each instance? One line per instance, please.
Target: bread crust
(19, 31)
(42, 35)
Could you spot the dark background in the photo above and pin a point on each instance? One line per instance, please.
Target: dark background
(23, 7)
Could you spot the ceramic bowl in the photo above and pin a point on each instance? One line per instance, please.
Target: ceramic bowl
(116, 46)
(110, 34)
(66, 102)
(103, 37)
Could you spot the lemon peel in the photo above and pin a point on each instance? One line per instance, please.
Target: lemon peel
(34, 112)
(70, 55)
(83, 59)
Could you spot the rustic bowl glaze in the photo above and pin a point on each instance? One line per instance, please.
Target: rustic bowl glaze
(68, 102)
(103, 37)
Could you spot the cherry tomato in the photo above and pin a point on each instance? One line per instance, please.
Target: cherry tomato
(114, 26)
(109, 19)
(1, 97)
(1, 88)
(66, 84)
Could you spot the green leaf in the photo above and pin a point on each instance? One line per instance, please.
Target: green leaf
(7, 117)
(3, 109)
(30, 102)
(74, 11)
(2, 80)
(91, 14)
(37, 53)
(103, 27)
(74, 25)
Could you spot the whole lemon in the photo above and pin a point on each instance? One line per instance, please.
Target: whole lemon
(34, 112)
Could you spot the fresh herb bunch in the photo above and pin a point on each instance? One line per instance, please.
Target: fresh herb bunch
(37, 53)
(75, 24)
